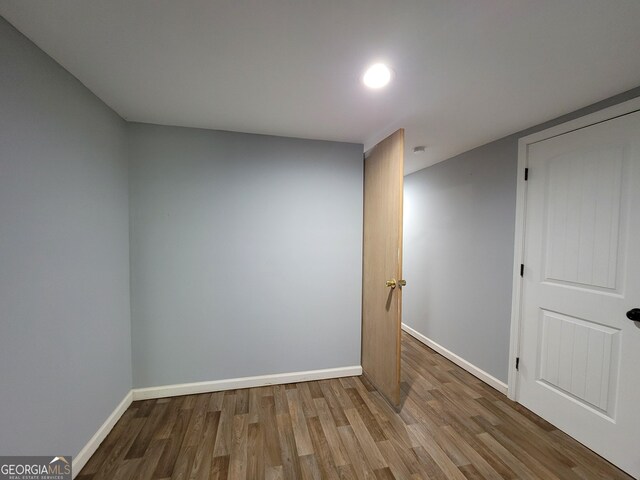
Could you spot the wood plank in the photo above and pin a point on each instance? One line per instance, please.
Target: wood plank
(373, 455)
(439, 456)
(309, 467)
(330, 432)
(219, 468)
(255, 451)
(238, 459)
(324, 455)
(273, 457)
(225, 428)
(298, 420)
(356, 455)
(142, 441)
(202, 460)
(288, 449)
(150, 460)
(174, 444)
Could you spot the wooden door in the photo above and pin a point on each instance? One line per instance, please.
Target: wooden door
(382, 265)
(580, 349)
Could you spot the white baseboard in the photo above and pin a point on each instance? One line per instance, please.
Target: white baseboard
(92, 445)
(461, 362)
(244, 382)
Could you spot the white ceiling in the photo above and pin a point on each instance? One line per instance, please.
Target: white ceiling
(467, 71)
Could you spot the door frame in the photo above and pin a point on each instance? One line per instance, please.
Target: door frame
(600, 116)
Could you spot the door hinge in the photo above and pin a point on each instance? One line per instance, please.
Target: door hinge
(522, 269)
(517, 363)
(526, 174)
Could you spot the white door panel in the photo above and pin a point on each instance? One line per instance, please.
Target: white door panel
(580, 355)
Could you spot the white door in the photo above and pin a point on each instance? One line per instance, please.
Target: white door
(579, 353)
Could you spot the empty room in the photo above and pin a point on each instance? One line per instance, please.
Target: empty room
(296, 239)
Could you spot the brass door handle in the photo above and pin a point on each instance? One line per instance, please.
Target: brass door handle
(393, 283)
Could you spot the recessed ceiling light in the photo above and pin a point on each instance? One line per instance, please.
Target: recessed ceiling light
(377, 76)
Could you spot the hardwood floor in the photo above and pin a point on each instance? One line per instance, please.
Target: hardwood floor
(450, 426)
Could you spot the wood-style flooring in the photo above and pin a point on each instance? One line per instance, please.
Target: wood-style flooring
(451, 426)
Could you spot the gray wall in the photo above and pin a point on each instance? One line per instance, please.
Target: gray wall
(65, 348)
(459, 228)
(245, 254)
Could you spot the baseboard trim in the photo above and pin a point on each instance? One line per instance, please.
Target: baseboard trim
(244, 382)
(80, 460)
(461, 362)
(92, 445)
